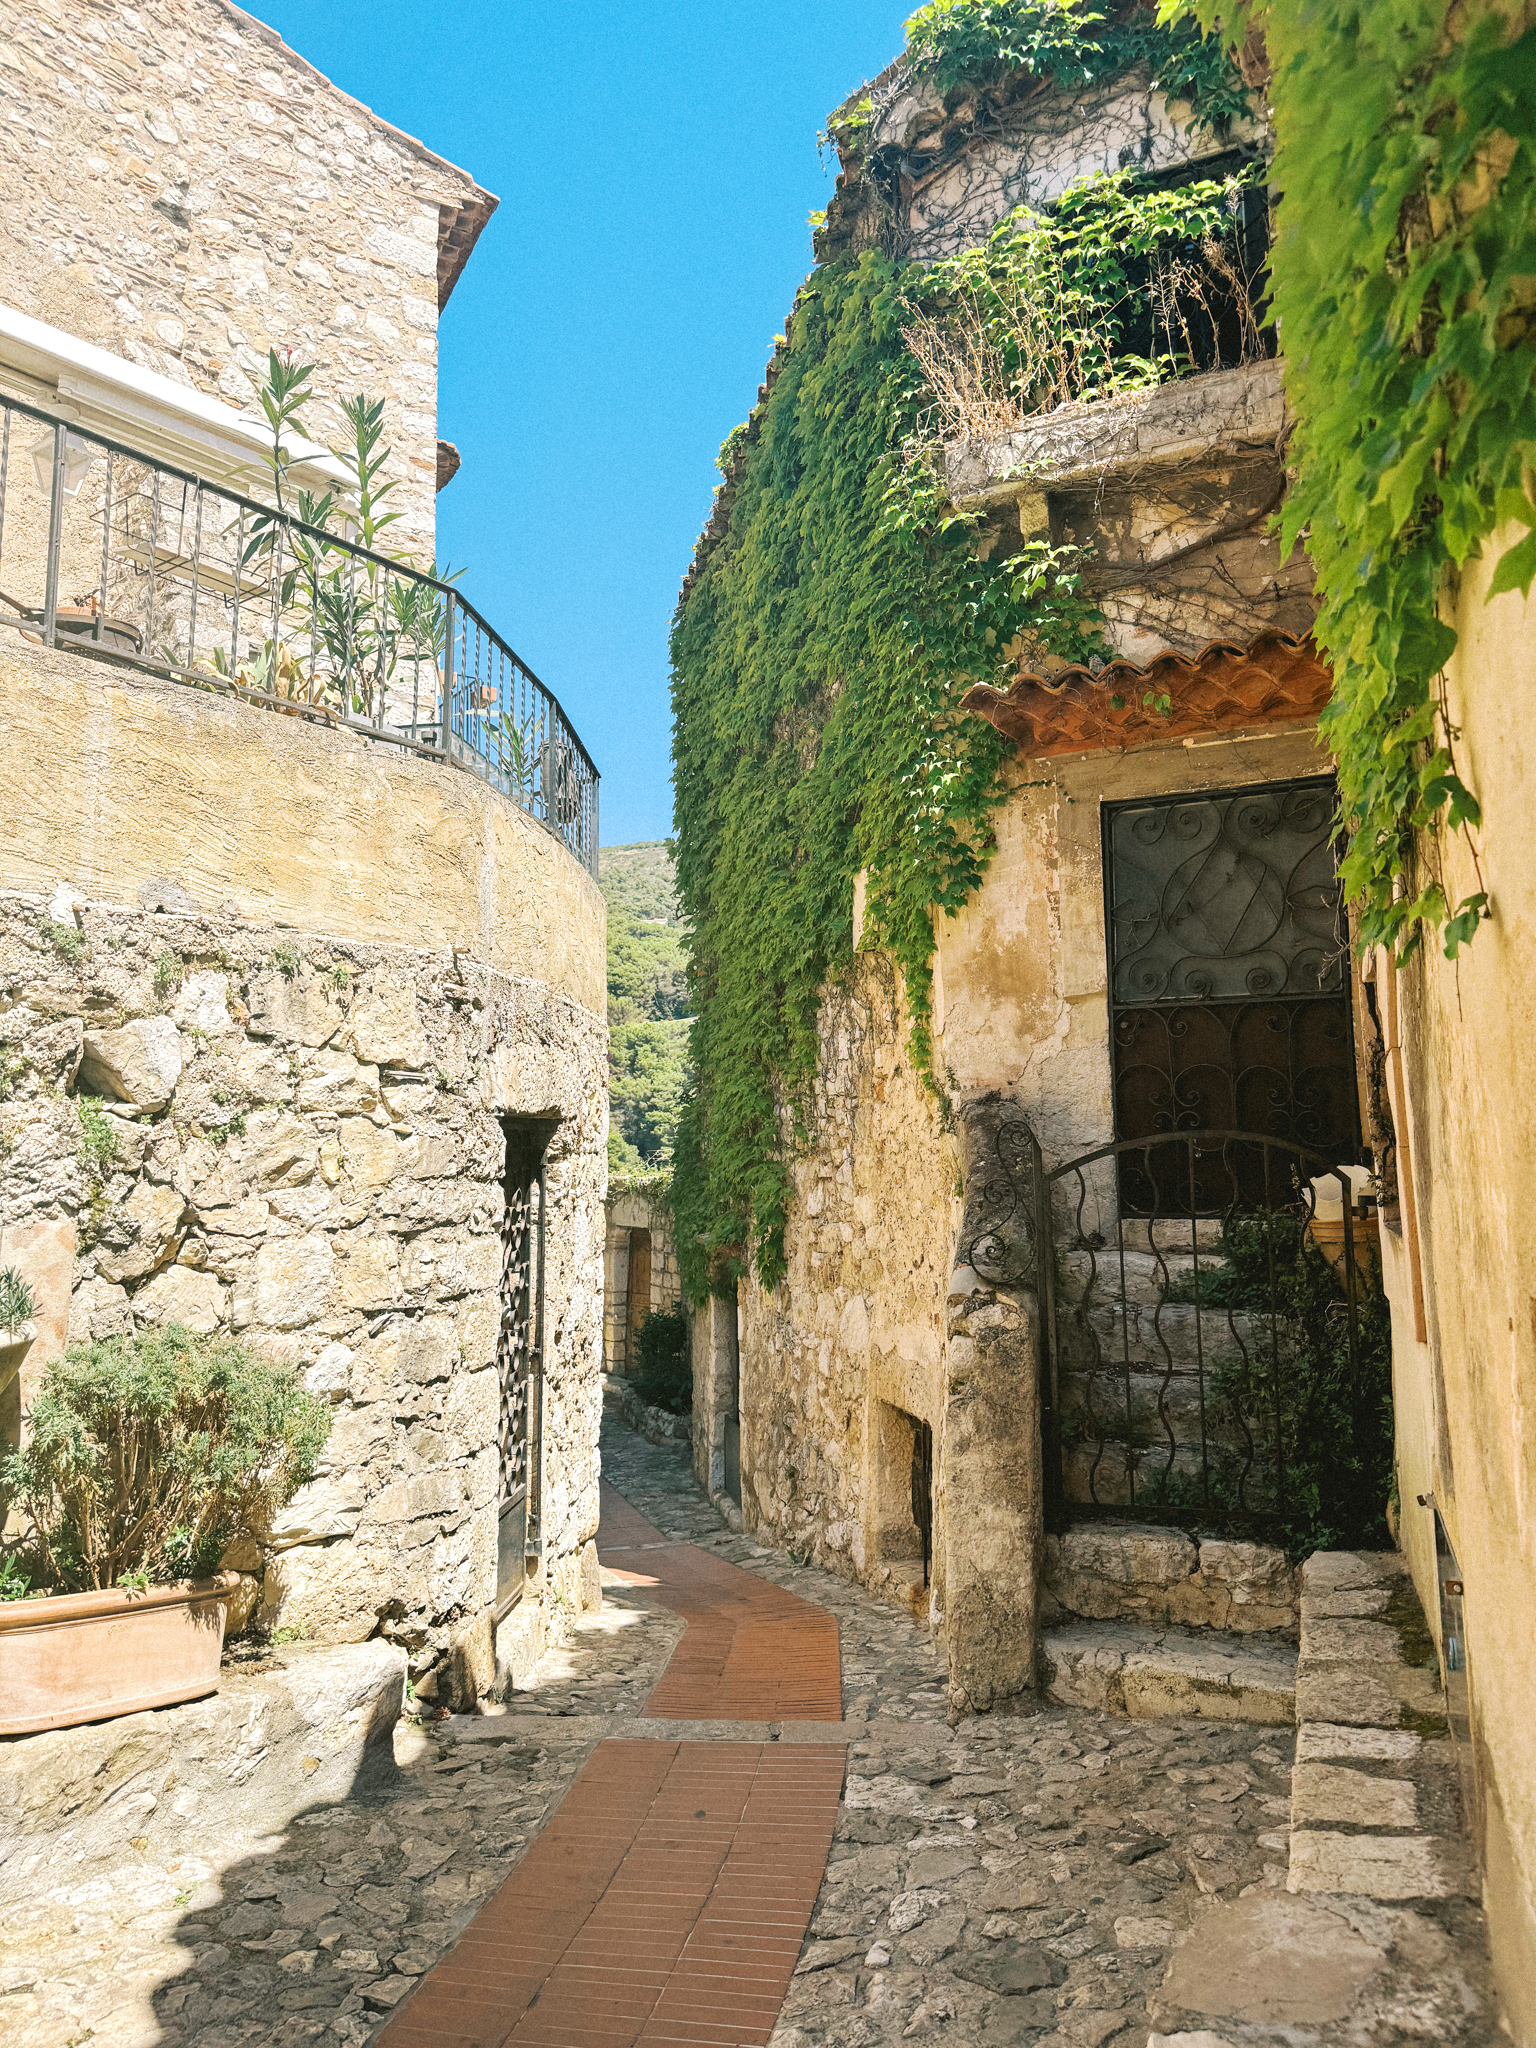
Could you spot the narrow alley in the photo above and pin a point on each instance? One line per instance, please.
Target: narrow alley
(678, 1866)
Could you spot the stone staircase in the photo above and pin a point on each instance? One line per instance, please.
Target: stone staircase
(1376, 1938)
(1375, 1802)
(1149, 1622)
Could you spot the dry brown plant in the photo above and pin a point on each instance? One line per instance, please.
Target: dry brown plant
(994, 357)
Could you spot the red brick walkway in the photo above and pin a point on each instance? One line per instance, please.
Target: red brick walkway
(752, 1652)
(664, 1904)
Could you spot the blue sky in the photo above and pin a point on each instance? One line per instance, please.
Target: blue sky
(655, 166)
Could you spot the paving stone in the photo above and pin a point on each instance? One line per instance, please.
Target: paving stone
(1204, 2039)
(1133, 1933)
(1366, 1601)
(1011, 1967)
(938, 1866)
(1164, 1674)
(1329, 1571)
(1058, 1824)
(1270, 1958)
(1368, 1695)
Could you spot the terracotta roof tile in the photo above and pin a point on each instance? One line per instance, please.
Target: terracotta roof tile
(1275, 678)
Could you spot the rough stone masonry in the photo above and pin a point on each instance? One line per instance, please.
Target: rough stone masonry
(221, 1124)
(182, 189)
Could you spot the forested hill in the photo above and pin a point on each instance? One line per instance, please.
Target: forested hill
(647, 1005)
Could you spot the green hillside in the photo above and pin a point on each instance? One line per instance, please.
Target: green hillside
(647, 1005)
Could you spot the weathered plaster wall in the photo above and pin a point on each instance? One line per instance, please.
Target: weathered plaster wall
(968, 158)
(1466, 1397)
(132, 790)
(180, 188)
(1021, 973)
(303, 1147)
(1069, 136)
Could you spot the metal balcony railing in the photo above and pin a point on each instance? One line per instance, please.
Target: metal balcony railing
(111, 553)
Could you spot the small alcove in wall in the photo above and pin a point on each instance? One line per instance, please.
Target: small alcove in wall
(903, 1495)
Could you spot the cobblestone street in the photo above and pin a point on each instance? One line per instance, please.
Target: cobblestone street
(1008, 1880)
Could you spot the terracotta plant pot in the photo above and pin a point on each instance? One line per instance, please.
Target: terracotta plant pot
(93, 1656)
(1327, 1233)
(14, 1346)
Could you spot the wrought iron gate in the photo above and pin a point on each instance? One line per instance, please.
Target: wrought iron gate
(1204, 1298)
(520, 1360)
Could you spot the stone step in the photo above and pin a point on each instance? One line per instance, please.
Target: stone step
(1375, 1804)
(1152, 1575)
(1374, 1816)
(1160, 1674)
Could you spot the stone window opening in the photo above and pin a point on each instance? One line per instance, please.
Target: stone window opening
(903, 1495)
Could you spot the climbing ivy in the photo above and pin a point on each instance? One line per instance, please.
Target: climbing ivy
(1117, 286)
(959, 41)
(818, 662)
(1403, 268)
(832, 627)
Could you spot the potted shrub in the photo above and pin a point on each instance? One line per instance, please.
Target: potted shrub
(148, 1456)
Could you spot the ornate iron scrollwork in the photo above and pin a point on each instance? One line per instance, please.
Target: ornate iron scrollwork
(997, 1230)
(1229, 993)
(1225, 898)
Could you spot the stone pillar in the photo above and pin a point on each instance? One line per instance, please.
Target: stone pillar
(989, 1462)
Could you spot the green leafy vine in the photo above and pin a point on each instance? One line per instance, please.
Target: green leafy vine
(823, 646)
(818, 662)
(961, 41)
(1404, 281)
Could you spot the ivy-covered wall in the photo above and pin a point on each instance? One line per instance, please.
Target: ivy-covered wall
(839, 607)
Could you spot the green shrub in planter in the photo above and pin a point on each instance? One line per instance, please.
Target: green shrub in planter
(150, 1455)
(664, 1376)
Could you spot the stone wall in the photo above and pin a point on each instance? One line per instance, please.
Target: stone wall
(630, 1210)
(297, 1139)
(965, 159)
(1118, 1571)
(127, 788)
(856, 1325)
(182, 189)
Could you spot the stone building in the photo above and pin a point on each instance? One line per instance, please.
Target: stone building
(640, 1271)
(183, 190)
(301, 1024)
(886, 1392)
(992, 1328)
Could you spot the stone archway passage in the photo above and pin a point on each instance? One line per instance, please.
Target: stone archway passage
(665, 1903)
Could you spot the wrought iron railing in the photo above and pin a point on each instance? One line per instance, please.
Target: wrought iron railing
(109, 552)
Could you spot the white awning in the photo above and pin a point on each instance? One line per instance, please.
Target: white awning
(149, 413)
